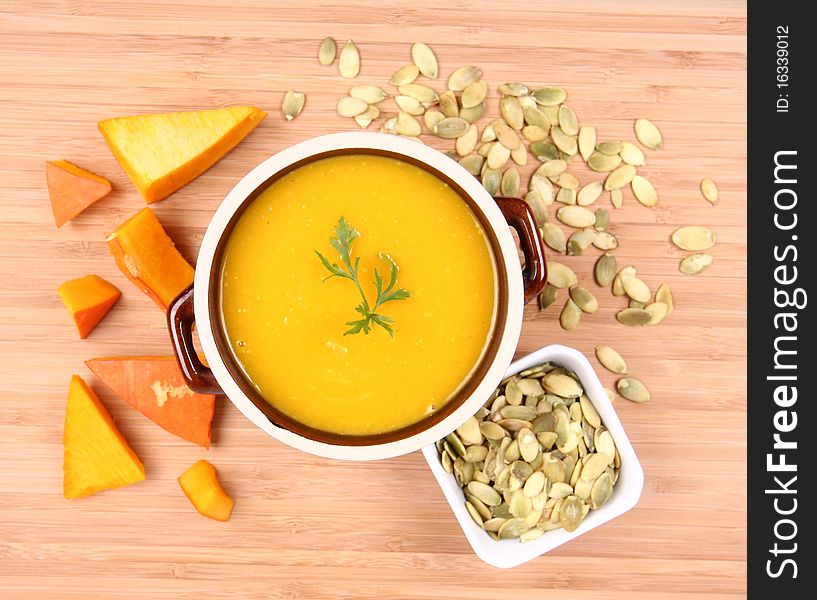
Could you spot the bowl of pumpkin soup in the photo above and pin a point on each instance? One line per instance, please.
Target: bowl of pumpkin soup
(358, 295)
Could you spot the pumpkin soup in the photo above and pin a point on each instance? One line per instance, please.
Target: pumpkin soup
(294, 323)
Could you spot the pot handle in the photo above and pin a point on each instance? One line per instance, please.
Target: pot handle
(519, 216)
(180, 320)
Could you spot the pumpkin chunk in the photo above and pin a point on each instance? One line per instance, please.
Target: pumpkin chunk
(88, 299)
(96, 455)
(154, 386)
(201, 486)
(72, 189)
(164, 152)
(147, 256)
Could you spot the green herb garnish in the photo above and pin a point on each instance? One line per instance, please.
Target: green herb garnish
(345, 234)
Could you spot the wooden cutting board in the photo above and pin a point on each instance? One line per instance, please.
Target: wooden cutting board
(314, 528)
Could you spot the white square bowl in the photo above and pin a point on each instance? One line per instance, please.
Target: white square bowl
(510, 553)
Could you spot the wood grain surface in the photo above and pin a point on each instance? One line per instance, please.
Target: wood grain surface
(314, 528)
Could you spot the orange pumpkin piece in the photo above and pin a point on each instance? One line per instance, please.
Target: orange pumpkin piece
(164, 152)
(154, 386)
(147, 256)
(88, 299)
(201, 486)
(96, 456)
(72, 189)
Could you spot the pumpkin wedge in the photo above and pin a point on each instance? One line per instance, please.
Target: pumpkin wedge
(148, 257)
(201, 486)
(164, 152)
(96, 455)
(72, 189)
(88, 299)
(154, 386)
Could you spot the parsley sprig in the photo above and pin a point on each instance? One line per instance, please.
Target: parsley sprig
(345, 234)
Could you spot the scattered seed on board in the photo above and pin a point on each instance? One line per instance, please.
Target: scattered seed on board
(292, 104)
(648, 134)
(405, 75)
(632, 389)
(694, 238)
(605, 269)
(327, 51)
(695, 263)
(349, 63)
(709, 190)
(611, 360)
(425, 60)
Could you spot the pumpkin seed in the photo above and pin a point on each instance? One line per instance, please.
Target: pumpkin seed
(370, 94)
(536, 117)
(587, 141)
(498, 156)
(390, 125)
(568, 121)
(462, 77)
(491, 181)
(709, 189)
(448, 104)
(506, 136)
(611, 360)
(327, 51)
(604, 240)
(484, 493)
(584, 299)
(648, 134)
(658, 312)
(534, 133)
(632, 389)
(552, 168)
(636, 304)
(605, 269)
(523, 413)
(644, 191)
(580, 241)
(433, 116)
(451, 127)
(418, 91)
(513, 89)
(602, 219)
(560, 275)
(554, 237)
(474, 94)
(492, 431)
(351, 107)
(488, 134)
(694, 238)
(633, 316)
(617, 197)
(365, 119)
(609, 147)
(475, 454)
(620, 177)
(589, 193)
(472, 114)
(695, 263)
(407, 125)
(570, 315)
(601, 492)
(425, 60)
(549, 96)
(469, 432)
(548, 296)
(466, 143)
(544, 151)
(566, 196)
(292, 104)
(349, 63)
(538, 206)
(635, 288)
(664, 294)
(513, 528)
(511, 111)
(509, 185)
(562, 385)
(632, 154)
(576, 216)
(410, 105)
(563, 141)
(589, 411)
(404, 75)
(520, 155)
(543, 187)
(603, 163)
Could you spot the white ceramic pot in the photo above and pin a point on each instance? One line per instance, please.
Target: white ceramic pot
(199, 303)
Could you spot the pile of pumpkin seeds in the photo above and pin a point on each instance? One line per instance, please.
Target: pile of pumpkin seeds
(533, 121)
(535, 457)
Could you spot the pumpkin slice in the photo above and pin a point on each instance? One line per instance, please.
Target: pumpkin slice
(147, 256)
(201, 486)
(164, 152)
(154, 386)
(88, 299)
(72, 189)
(96, 455)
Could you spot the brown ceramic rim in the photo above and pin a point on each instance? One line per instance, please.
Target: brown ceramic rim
(279, 418)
